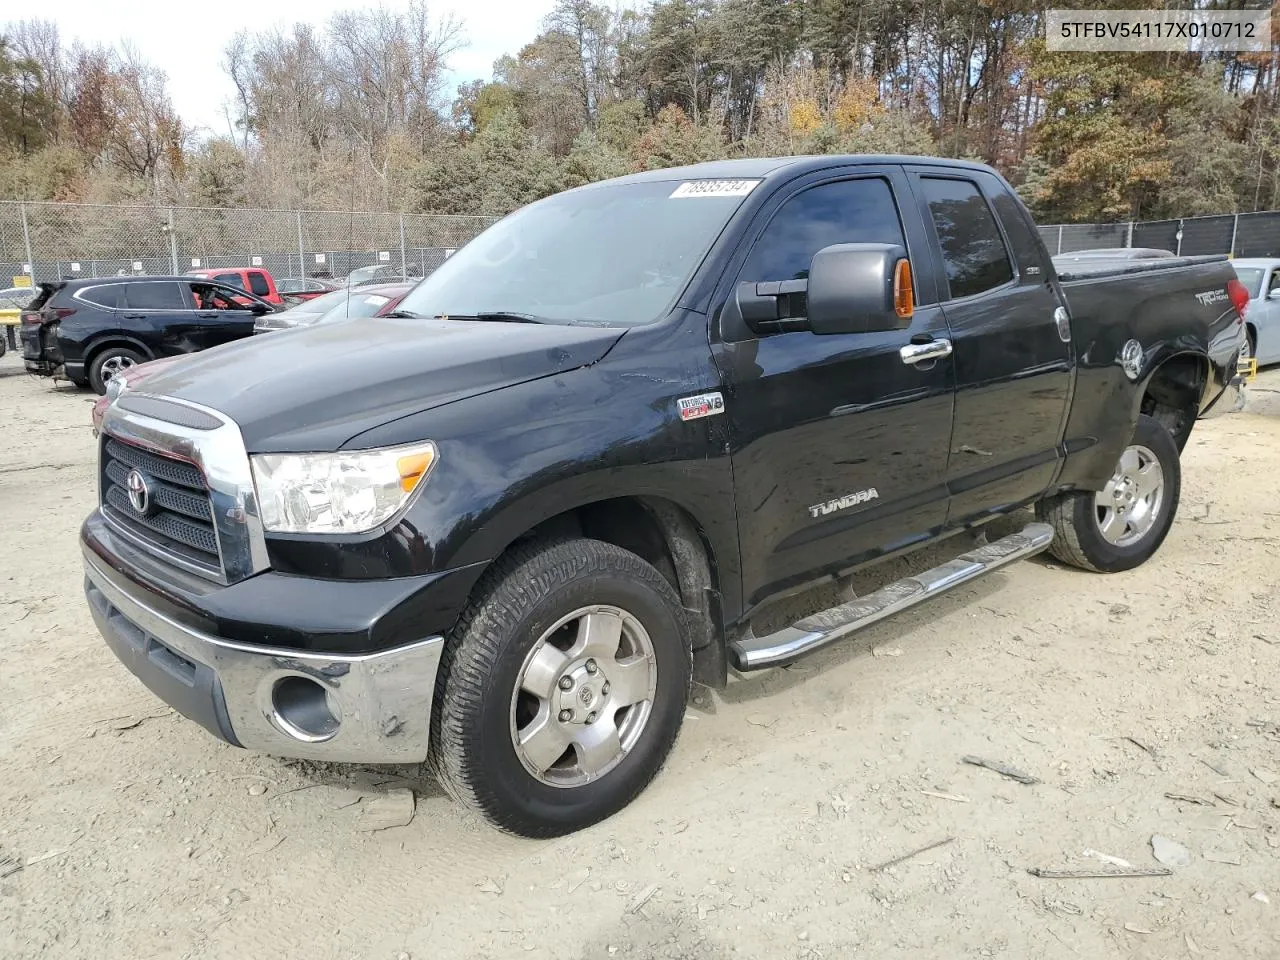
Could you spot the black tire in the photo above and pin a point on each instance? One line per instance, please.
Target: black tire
(522, 596)
(1077, 537)
(98, 376)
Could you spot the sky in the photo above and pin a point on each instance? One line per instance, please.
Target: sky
(187, 43)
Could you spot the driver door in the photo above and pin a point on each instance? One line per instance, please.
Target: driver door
(839, 445)
(220, 316)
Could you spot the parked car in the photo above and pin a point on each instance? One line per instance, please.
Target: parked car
(369, 301)
(1116, 253)
(252, 280)
(299, 290)
(507, 525)
(88, 331)
(12, 300)
(1261, 277)
(366, 301)
(379, 273)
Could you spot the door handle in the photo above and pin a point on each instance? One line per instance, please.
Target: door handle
(135, 316)
(914, 353)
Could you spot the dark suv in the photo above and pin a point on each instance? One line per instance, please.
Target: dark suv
(87, 331)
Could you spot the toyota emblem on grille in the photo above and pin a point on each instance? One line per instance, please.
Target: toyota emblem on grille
(139, 492)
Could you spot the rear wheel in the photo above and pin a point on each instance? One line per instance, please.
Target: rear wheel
(110, 363)
(562, 690)
(1123, 524)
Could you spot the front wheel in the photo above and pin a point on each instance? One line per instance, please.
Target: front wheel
(1124, 523)
(562, 689)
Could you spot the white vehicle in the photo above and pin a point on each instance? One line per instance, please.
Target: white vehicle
(1261, 277)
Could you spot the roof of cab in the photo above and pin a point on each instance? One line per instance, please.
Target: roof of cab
(768, 167)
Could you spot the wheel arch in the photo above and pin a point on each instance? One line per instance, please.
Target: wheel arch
(668, 537)
(1171, 393)
(104, 341)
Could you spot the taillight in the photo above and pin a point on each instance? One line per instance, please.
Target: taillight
(1239, 295)
(31, 316)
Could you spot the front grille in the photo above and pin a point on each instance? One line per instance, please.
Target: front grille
(178, 520)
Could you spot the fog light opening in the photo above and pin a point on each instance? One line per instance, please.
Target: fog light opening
(304, 709)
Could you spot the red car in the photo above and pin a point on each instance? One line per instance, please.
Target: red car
(371, 301)
(307, 288)
(253, 279)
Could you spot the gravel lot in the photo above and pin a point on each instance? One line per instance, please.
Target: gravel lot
(1147, 703)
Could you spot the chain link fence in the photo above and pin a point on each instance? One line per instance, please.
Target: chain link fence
(54, 241)
(57, 241)
(1235, 234)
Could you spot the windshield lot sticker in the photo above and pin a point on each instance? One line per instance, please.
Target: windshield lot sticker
(713, 188)
(703, 405)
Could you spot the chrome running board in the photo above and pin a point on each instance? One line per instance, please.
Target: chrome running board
(754, 653)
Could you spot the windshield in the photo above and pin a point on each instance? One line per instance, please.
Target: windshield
(360, 305)
(321, 304)
(1251, 277)
(616, 255)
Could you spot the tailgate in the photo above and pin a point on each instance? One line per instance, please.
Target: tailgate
(40, 327)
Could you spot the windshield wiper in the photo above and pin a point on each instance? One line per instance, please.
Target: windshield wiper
(405, 315)
(506, 316)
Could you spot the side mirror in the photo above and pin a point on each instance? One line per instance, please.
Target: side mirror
(260, 309)
(1274, 294)
(860, 288)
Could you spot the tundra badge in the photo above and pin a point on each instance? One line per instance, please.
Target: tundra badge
(843, 503)
(703, 405)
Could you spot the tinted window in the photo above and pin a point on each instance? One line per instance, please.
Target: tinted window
(157, 295)
(258, 284)
(234, 279)
(103, 296)
(1275, 282)
(972, 247)
(849, 211)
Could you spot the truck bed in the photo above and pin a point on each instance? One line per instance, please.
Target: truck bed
(1097, 268)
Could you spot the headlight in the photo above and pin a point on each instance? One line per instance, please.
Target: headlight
(338, 492)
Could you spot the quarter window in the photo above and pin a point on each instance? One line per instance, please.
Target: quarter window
(846, 211)
(106, 296)
(972, 247)
(258, 284)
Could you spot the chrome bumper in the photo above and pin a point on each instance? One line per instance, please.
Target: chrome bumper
(374, 708)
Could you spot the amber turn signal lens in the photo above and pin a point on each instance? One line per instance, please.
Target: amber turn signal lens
(903, 300)
(413, 468)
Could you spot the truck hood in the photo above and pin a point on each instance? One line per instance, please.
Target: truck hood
(315, 388)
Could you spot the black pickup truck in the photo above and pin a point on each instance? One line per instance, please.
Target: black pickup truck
(505, 527)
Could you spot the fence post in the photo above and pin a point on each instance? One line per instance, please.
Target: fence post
(1235, 227)
(1059, 238)
(1179, 250)
(302, 253)
(173, 244)
(26, 239)
(1128, 241)
(404, 262)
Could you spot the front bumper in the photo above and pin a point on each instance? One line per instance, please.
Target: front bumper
(369, 708)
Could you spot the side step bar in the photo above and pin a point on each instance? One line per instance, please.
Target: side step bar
(754, 653)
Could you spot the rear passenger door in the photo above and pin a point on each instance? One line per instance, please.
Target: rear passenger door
(1012, 359)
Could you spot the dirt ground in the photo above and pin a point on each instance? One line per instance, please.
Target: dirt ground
(1146, 703)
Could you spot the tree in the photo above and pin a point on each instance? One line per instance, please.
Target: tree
(26, 108)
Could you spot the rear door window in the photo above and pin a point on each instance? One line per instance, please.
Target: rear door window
(258, 284)
(156, 295)
(973, 248)
(235, 279)
(108, 296)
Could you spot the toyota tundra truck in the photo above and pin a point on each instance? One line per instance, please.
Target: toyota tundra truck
(503, 529)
